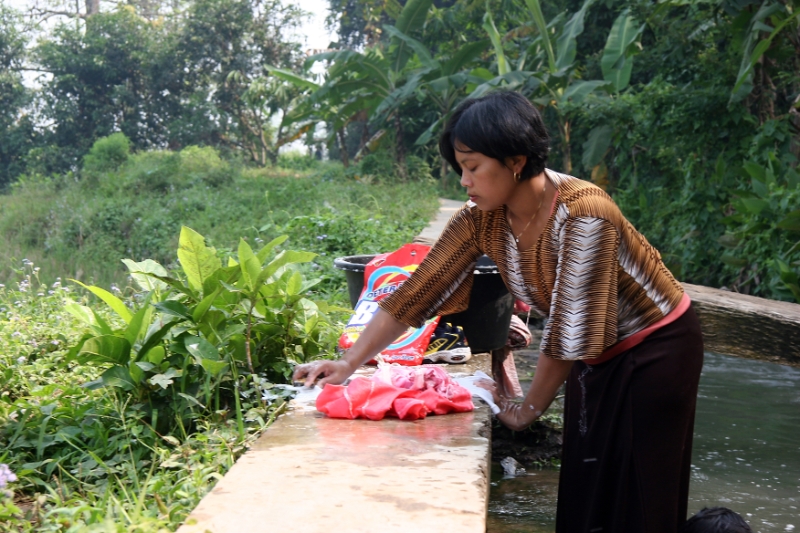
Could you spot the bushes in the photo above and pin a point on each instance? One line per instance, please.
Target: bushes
(107, 154)
(169, 380)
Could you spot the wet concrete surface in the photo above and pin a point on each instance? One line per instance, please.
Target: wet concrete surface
(318, 474)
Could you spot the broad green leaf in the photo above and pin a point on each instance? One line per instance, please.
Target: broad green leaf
(567, 43)
(538, 18)
(792, 178)
(420, 49)
(413, 15)
(192, 400)
(213, 367)
(204, 305)
(264, 252)
(101, 325)
(482, 73)
(139, 322)
(597, 143)
(135, 372)
(73, 352)
(463, 56)
(759, 188)
(155, 355)
(200, 349)
(155, 334)
(197, 260)
(616, 62)
(494, 36)
(411, 18)
(174, 308)
(294, 284)
(140, 270)
(789, 278)
(228, 274)
(733, 261)
(578, 90)
(118, 377)
(755, 170)
(728, 240)
(399, 95)
(112, 301)
(754, 205)
(752, 54)
(106, 349)
(249, 264)
(175, 284)
(790, 222)
(287, 257)
(81, 312)
(146, 366)
(292, 78)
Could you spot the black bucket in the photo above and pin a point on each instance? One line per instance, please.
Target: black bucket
(485, 321)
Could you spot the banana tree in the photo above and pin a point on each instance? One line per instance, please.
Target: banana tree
(377, 81)
(552, 82)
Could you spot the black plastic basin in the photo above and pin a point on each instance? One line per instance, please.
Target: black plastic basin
(485, 321)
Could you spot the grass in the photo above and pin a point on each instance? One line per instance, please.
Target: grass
(82, 227)
(95, 459)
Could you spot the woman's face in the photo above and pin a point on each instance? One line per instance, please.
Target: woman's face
(489, 182)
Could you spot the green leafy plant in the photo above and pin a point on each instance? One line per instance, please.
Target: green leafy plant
(194, 342)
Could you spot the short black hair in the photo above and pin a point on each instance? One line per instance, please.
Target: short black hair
(499, 125)
(716, 520)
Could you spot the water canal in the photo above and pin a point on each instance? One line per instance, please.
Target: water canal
(746, 453)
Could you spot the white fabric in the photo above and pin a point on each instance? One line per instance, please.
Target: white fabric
(468, 383)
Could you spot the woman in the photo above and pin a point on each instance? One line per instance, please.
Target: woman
(620, 329)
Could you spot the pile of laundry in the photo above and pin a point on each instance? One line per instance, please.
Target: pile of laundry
(405, 392)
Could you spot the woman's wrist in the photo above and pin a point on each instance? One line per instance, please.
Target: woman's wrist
(351, 360)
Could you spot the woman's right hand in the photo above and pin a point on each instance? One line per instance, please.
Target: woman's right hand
(333, 372)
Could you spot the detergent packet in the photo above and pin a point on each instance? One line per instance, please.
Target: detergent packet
(383, 275)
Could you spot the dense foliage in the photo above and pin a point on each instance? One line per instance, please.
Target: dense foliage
(686, 111)
(121, 405)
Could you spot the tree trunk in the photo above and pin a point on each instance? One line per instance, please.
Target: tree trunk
(363, 117)
(92, 7)
(564, 127)
(443, 173)
(343, 147)
(399, 146)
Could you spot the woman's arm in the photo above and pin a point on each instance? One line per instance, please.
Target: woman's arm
(550, 375)
(381, 331)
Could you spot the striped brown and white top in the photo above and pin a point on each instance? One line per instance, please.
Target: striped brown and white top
(596, 279)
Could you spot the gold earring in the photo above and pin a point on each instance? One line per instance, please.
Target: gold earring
(517, 177)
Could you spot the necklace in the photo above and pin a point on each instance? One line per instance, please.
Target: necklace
(541, 200)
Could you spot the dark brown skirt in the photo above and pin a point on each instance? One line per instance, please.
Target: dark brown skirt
(628, 426)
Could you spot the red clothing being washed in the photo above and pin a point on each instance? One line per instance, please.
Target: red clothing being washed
(408, 393)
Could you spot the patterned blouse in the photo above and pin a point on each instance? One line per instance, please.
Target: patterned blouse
(596, 279)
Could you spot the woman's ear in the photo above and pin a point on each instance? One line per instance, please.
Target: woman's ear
(516, 163)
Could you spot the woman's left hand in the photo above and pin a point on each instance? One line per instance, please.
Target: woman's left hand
(516, 416)
(512, 414)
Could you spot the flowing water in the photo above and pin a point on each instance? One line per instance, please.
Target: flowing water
(746, 454)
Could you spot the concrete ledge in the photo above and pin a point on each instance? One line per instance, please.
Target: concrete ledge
(314, 474)
(746, 326)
